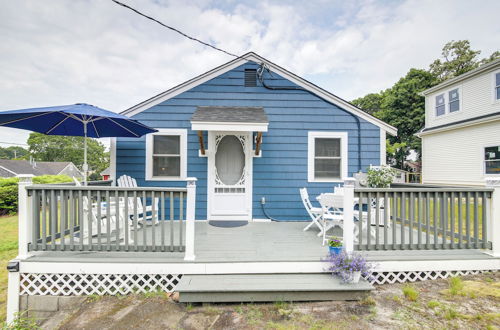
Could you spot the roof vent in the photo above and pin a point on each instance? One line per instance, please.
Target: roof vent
(250, 78)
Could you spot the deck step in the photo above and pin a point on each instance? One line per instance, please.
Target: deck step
(268, 287)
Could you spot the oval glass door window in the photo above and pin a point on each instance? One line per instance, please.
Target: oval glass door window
(230, 160)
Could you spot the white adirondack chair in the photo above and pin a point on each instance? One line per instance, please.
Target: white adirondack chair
(145, 214)
(101, 220)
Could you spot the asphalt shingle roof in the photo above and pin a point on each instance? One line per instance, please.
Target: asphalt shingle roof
(39, 168)
(230, 114)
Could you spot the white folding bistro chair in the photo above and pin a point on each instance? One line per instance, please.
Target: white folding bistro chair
(314, 212)
(332, 205)
(332, 214)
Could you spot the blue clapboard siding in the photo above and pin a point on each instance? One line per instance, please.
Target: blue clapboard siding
(282, 169)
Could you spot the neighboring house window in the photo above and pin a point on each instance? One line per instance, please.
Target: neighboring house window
(497, 86)
(440, 105)
(492, 160)
(327, 156)
(454, 101)
(166, 155)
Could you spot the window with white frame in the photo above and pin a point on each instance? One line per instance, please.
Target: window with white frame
(492, 160)
(497, 86)
(440, 105)
(166, 155)
(327, 156)
(453, 100)
(447, 102)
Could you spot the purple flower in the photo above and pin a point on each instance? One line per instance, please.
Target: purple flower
(346, 264)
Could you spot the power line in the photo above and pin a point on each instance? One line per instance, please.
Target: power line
(17, 144)
(174, 29)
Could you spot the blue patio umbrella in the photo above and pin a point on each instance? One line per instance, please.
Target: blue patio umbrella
(75, 120)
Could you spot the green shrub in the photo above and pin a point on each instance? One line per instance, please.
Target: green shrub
(9, 192)
(51, 179)
(8, 200)
(380, 177)
(4, 182)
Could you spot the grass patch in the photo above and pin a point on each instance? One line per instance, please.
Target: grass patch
(455, 285)
(211, 310)
(158, 293)
(22, 322)
(433, 304)
(410, 292)
(8, 251)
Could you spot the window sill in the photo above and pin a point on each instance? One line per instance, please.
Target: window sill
(166, 178)
(326, 180)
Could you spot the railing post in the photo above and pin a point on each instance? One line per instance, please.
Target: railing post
(349, 214)
(24, 216)
(13, 290)
(190, 218)
(494, 215)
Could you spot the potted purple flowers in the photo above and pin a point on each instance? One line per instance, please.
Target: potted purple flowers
(349, 266)
(334, 245)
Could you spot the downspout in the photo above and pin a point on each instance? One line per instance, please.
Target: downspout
(260, 76)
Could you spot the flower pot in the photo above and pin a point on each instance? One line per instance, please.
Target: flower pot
(335, 250)
(355, 277)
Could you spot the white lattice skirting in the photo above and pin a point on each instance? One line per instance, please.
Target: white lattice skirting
(402, 277)
(113, 284)
(95, 284)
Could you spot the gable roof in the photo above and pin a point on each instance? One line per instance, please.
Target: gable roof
(38, 168)
(312, 88)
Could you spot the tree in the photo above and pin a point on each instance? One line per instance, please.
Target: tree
(403, 108)
(55, 148)
(494, 56)
(370, 103)
(458, 58)
(13, 152)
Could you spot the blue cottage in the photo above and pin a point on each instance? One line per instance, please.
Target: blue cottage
(252, 133)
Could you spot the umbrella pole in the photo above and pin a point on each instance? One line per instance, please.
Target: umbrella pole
(85, 166)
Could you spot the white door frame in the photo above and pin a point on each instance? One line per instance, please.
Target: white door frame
(248, 176)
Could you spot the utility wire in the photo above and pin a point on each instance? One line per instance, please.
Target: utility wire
(174, 29)
(13, 143)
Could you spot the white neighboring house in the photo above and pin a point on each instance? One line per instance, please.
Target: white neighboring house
(461, 137)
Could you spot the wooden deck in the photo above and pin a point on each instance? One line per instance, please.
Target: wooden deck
(255, 242)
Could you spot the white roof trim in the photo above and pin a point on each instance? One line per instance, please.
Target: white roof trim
(457, 126)
(273, 67)
(228, 126)
(8, 170)
(71, 164)
(485, 67)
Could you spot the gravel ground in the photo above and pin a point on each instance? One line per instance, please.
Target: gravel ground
(471, 302)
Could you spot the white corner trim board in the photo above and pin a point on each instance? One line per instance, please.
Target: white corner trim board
(273, 67)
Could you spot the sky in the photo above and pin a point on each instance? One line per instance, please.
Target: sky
(56, 52)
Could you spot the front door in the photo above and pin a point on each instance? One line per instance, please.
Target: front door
(229, 176)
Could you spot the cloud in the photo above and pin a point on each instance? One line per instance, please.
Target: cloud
(61, 52)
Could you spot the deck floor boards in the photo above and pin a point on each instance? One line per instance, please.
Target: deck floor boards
(255, 242)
